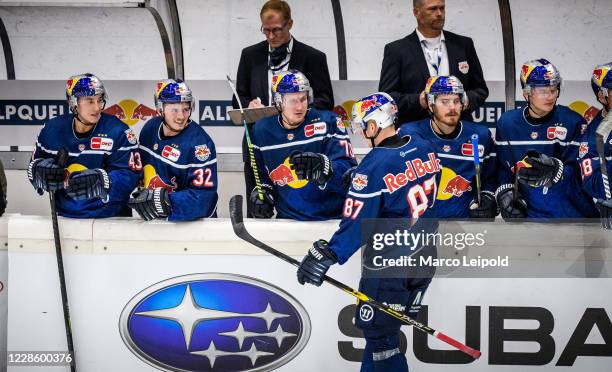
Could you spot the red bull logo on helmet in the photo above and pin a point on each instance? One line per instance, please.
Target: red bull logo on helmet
(131, 112)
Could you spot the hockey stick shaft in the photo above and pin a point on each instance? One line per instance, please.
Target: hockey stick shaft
(248, 139)
(61, 160)
(601, 135)
(235, 208)
(476, 153)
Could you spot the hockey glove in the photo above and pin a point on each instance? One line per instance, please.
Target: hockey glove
(45, 175)
(605, 211)
(151, 203)
(347, 177)
(262, 208)
(88, 184)
(487, 210)
(510, 208)
(316, 263)
(311, 166)
(543, 170)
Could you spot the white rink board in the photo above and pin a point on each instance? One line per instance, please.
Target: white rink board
(101, 282)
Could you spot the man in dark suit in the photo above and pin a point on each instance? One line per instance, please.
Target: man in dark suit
(429, 51)
(279, 52)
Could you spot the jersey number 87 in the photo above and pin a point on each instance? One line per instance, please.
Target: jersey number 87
(417, 198)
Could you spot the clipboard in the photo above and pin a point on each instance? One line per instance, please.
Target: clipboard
(251, 114)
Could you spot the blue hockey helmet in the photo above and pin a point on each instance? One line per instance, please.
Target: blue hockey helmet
(601, 81)
(84, 85)
(172, 91)
(539, 73)
(440, 85)
(379, 107)
(291, 81)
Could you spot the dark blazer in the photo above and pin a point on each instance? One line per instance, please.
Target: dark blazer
(404, 74)
(252, 77)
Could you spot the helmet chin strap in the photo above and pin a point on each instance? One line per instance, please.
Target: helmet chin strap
(373, 137)
(78, 118)
(288, 123)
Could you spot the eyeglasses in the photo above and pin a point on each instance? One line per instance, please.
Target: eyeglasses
(276, 31)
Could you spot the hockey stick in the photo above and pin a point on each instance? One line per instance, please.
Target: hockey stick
(248, 139)
(61, 160)
(601, 135)
(235, 207)
(476, 154)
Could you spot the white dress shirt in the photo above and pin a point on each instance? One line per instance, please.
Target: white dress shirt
(435, 53)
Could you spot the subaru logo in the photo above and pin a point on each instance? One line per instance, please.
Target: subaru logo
(214, 322)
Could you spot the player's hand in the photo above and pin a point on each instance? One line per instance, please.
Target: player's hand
(45, 175)
(423, 100)
(316, 263)
(605, 211)
(487, 210)
(256, 103)
(262, 208)
(88, 184)
(542, 170)
(311, 166)
(347, 177)
(151, 203)
(510, 208)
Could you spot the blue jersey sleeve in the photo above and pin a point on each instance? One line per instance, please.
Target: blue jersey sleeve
(199, 198)
(124, 168)
(339, 150)
(590, 165)
(358, 207)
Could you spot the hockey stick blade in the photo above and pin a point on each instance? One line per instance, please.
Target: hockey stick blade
(235, 208)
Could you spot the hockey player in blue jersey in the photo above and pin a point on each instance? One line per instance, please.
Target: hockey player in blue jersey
(397, 179)
(590, 162)
(102, 169)
(540, 142)
(452, 138)
(301, 156)
(179, 160)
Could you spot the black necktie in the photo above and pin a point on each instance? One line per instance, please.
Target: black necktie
(277, 56)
